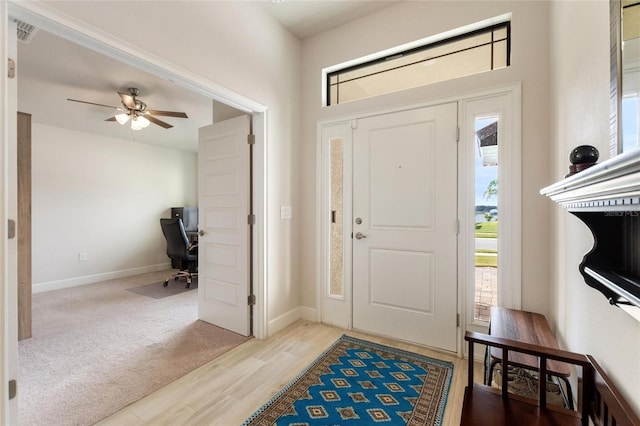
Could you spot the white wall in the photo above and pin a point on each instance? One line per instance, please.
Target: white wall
(580, 115)
(411, 21)
(240, 47)
(104, 197)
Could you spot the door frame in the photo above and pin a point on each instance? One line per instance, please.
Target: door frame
(511, 193)
(8, 211)
(41, 16)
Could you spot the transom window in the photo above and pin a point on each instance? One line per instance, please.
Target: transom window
(462, 55)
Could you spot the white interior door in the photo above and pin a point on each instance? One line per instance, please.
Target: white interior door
(405, 213)
(223, 210)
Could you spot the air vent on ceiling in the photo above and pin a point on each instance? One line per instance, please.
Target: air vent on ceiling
(26, 32)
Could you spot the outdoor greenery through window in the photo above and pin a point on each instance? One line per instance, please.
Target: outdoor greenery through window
(486, 216)
(466, 54)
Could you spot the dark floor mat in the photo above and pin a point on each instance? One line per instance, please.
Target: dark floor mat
(158, 291)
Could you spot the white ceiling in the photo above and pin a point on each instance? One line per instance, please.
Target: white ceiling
(305, 18)
(51, 69)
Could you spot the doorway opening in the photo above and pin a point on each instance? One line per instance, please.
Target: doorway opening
(113, 48)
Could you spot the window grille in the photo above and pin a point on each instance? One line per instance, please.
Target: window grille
(470, 53)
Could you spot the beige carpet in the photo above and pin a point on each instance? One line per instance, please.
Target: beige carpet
(158, 291)
(99, 347)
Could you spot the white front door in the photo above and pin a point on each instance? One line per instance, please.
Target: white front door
(404, 225)
(223, 210)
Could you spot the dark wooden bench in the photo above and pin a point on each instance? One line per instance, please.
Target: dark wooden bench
(526, 327)
(598, 399)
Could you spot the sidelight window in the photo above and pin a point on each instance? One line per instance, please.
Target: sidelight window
(336, 273)
(489, 202)
(486, 216)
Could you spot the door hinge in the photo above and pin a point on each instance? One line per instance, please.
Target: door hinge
(354, 124)
(11, 229)
(251, 300)
(251, 139)
(458, 134)
(11, 68)
(457, 320)
(457, 226)
(251, 219)
(13, 389)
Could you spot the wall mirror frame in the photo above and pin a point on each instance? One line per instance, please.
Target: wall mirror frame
(624, 131)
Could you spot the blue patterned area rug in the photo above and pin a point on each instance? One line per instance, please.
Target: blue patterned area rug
(356, 382)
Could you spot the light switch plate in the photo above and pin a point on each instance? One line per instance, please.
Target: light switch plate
(286, 212)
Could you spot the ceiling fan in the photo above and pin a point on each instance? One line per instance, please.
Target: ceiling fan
(136, 110)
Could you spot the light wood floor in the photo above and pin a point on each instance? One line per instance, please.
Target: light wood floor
(230, 388)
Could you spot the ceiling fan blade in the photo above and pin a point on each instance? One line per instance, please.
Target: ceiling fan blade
(93, 103)
(127, 100)
(167, 113)
(158, 122)
(111, 119)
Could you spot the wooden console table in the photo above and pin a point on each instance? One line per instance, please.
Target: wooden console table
(525, 327)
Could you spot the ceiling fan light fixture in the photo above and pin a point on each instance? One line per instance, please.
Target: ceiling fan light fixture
(122, 118)
(139, 122)
(145, 121)
(136, 110)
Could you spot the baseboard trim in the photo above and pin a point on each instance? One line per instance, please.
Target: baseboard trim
(283, 321)
(288, 318)
(308, 314)
(338, 324)
(90, 279)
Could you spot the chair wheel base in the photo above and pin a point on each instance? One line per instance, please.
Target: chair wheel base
(166, 283)
(187, 285)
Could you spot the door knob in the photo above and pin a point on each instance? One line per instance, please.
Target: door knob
(360, 235)
(201, 232)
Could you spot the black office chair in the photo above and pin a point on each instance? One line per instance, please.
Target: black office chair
(179, 249)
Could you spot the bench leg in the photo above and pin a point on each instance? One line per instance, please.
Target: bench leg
(569, 395)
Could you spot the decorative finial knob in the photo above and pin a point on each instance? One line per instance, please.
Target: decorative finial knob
(584, 154)
(582, 157)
